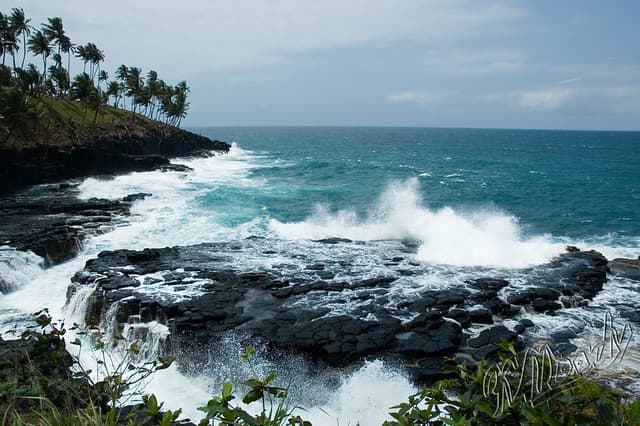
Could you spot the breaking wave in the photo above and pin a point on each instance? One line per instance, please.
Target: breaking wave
(478, 238)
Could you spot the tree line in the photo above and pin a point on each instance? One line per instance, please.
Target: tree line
(130, 89)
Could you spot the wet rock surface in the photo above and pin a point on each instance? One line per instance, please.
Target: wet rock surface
(626, 268)
(119, 150)
(203, 291)
(53, 223)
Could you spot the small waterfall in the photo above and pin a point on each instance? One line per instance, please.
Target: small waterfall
(109, 326)
(78, 301)
(151, 339)
(18, 268)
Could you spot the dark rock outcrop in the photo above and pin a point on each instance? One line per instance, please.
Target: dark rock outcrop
(53, 223)
(118, 151)
(201, 294)
(626, 268)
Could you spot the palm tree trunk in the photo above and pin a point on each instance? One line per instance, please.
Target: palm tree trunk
(24, 49)
(69, 66)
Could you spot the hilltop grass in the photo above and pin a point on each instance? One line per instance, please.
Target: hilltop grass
(58, 121)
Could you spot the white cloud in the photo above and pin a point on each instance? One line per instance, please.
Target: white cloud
(416, 97)
(474, 62)
(570, 80)
(545, 99)
(232, 34)
(605, 99)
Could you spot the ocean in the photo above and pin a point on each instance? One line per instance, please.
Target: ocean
(487, 202)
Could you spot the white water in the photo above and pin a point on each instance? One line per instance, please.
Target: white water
(170, 217)
(173, 216)
(479, 238)
(17, 268)
(362, 396)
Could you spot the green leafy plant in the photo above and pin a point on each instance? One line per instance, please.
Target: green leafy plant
(42, 383)
(516, 395)
(275, 408)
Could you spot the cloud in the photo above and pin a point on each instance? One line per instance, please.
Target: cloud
(248, 34)
(474, 62)
(604, 99)
(570, 80)
(547, 99)
(415, 97)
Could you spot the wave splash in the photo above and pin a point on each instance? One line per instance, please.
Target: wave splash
(480, 238)
(18, 268)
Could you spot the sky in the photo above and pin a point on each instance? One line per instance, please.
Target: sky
(435, 63)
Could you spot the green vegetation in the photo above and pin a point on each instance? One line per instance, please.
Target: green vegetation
(41, 384)
(44, 103)
(516, 391)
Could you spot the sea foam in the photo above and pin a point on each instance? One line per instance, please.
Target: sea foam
(478, 238)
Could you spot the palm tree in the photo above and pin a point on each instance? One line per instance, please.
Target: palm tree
(134, 85)
(29, 79)
(57, 59)
(113, 89)
(20, 26)
(4, 30)
(122, 73)
(102, 77)
(167, 105)
(153, 87)
(60, 77)
(82, 87)
(39, 45)
(82, 53)
(55, 31)
(67, 47)
(94, 56)
(17, 112)
(181, 101)
(8, 39)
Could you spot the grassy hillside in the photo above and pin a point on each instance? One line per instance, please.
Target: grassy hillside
(46, 120)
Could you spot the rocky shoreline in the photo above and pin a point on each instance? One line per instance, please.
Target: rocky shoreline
(120, 149)
(197, 293)
(327, 309)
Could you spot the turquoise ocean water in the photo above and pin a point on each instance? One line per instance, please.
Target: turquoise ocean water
(576, 184)
(453, 204)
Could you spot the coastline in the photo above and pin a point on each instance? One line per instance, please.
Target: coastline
(256, 302)
(132, 145)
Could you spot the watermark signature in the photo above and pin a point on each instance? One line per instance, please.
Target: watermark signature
(538, 371)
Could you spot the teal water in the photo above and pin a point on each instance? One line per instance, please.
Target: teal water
(574, 184)
(451, 204)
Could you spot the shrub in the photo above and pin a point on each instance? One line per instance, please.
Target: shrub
(516, 391)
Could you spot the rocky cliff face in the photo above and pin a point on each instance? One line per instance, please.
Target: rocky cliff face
(121, 149)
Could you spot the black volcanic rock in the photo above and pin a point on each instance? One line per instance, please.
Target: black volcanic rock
(201, 295)
(461, 316)
(494, 284)
(53, 223)
(480, 316)
(333, 240)
(118, 150)
(627, 268)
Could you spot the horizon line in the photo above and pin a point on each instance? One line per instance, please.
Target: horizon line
(255, 126)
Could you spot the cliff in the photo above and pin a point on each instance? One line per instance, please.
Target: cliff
(68, 141)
